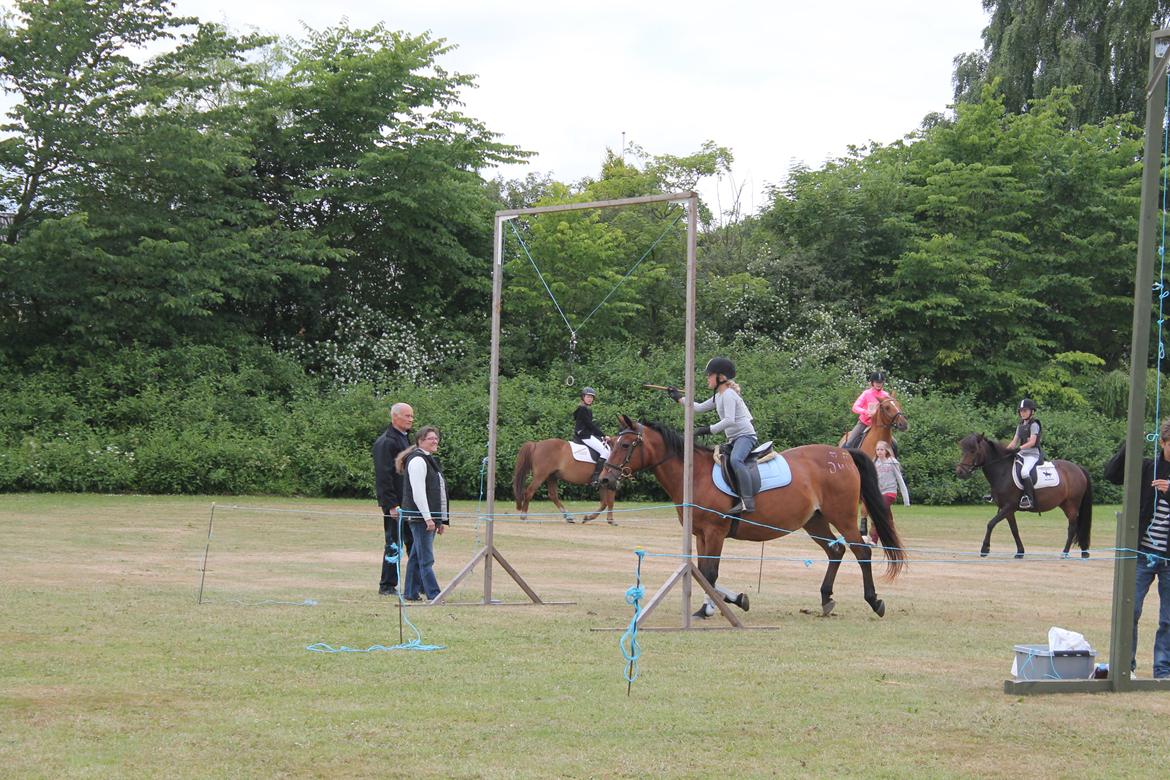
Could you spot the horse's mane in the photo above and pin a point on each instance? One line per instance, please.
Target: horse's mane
(970, 443)
(672, 439)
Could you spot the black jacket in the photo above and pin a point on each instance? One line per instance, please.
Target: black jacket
(436, 491)
(583, 425)
(387, 481)
(1115, 473)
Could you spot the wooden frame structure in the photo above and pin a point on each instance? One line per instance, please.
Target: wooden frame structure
(489, 553)
(1125, 567)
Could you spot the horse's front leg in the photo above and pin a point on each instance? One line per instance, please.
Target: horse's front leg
(1011, 518)
(991, 524)
(710, 547)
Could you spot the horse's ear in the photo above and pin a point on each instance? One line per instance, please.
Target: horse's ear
(626, 422)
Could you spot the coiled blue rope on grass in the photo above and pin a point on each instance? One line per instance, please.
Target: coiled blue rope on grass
(413, 644)
(628, 642)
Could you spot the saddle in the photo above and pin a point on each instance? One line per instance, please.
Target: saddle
(1047, 474)
(582, 452)
(773, 474)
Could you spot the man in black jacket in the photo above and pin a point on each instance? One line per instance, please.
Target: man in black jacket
(388, 484)
(1153, 555)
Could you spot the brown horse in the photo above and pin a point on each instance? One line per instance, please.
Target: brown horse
(1074, 494)
(827, 485)
(887, 418)
(550, 460)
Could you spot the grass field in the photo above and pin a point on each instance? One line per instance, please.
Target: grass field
(108, 667)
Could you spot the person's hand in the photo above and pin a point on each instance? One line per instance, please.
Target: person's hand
(430, 524)
(393, 512)
(703, 430)
(440, 528)
(674, 393)
(1161, 485)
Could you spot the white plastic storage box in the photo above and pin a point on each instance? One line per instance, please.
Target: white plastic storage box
(1037, 662)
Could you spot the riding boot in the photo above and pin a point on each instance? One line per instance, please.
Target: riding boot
(745, 506)
(1028, 499)
(596, 473)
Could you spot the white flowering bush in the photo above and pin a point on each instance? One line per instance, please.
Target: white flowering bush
(377, 347)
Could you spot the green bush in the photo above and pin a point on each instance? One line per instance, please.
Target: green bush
(242, 419)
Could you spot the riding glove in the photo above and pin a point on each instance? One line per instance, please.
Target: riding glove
(674, 393)
(703, 430)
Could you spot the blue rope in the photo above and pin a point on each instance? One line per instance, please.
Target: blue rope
(628, 642)
(411, 644)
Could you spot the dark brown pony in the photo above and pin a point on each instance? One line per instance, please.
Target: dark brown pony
(550, 460)
(1074, 494)
(827, 485)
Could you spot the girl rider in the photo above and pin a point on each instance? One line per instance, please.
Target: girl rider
(1027, 438)
(587, 432)
(734, 420)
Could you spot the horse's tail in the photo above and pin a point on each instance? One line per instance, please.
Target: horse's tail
(1085, 513)
(879, 514)
(523, 468)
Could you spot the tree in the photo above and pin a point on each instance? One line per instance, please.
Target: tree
(1031, 47)
(133, 221)
(360, 140)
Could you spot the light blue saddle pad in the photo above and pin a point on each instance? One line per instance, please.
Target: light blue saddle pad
(773, 474)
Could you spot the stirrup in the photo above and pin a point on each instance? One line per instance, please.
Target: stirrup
(1025, 502)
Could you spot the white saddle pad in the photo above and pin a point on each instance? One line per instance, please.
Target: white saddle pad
(581, 452)
(1046, 475)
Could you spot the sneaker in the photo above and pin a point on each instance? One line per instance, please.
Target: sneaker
(387, 591)
(413, 598)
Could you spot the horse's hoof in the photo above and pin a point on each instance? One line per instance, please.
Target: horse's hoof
(741, 601)
(984, 552)
(828, 607)
(879, 607)
(1084, 553)
(569, 519)
(1018, 556)
(612, 522)
(585, 520)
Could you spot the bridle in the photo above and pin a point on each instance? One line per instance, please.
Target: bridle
(893, 420)
(623, 469)
(967, 469)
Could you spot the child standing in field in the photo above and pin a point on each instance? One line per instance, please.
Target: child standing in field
(890, 480)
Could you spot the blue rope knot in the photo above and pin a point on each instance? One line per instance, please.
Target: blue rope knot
(634, 595)
(1151, 560)
(807, 562)
(839, 541)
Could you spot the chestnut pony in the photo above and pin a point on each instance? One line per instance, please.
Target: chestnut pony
(549, 460)
(1074, 494)
(827, 485)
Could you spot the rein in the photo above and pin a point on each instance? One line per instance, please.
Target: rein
(623, 469)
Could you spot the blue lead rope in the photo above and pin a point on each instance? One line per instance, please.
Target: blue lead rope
(631, 650)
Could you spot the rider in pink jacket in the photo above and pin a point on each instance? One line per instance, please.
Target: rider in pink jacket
(865, 405)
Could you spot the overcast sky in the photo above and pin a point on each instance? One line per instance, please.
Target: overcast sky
(775, 81)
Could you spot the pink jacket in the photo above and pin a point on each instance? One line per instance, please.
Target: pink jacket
(861, 405)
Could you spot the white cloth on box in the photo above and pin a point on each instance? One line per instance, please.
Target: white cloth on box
(1063, 639)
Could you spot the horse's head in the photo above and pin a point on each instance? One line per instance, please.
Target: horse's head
(974, 448)
(890, 414)
(636, 446)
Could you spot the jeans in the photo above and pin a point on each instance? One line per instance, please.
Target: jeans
(420, 569)
(1147, 572)
(740, 449)
(390, 570)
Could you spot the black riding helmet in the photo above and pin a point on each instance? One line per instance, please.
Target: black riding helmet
(877, 376)
(720, 365)
(1027, 403)
(588, 391)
